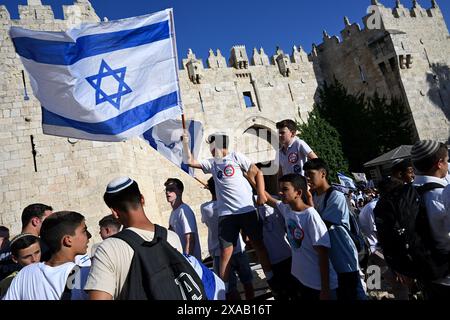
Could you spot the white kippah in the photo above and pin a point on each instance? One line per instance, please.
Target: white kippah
(118, 184)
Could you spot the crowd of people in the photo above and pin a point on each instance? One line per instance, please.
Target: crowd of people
(313, 241)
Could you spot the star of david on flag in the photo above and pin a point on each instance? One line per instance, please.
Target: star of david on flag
(96, 82)
(104, 82)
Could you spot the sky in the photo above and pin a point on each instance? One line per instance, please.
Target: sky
(205, 24)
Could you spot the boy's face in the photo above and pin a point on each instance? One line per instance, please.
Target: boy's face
(81, 239)
(172, 193)
(443, 167)
(29, 255)
(315, 178)
(409, 175)
(285, 136)
(287, 193)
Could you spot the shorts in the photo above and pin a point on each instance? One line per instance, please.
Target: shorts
(231, 225)
(240, 265)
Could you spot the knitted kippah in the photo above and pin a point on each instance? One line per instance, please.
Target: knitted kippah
(119, 184)
(423, 149)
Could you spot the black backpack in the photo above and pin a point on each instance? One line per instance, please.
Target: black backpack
(355, 233)
(404, 233)
(158, 271)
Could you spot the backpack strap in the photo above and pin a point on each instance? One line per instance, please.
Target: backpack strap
(428, 187)
(160, 232)
(327, 196)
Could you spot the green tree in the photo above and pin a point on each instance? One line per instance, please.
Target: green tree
(368, 127)
(325, 141)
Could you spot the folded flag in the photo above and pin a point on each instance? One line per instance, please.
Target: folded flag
(166, 139)
(108, 81)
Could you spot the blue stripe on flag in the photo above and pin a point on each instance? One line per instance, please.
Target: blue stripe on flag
(67, 53)
(209, 282)
(184, 166)
(148, 135)
(116, 125)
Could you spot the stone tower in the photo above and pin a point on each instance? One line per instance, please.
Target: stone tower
(407, 56)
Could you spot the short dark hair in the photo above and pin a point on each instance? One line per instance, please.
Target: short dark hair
(387, 185)
(176, 182)
(211, 186)
(125, 199)
(288, 123)
(22, 241)
(317, 164)
(298, 182)
(220, 141)
(34, 210)
(110, 221)
(402, 166)
(59, 225)
(426, 164)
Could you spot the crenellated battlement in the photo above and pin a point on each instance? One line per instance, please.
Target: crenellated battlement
(397, 19)
(34, 14)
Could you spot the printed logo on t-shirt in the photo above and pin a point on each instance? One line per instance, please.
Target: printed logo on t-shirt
(295, 234)
(293, 157)
(297, 169)
(219, 174)
(228, 170)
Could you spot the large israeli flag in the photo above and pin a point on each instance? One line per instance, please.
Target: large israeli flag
(108, 81)
(166, 139)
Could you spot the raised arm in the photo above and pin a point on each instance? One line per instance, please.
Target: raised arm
(256, 175)
(187, 155)
(312, 155)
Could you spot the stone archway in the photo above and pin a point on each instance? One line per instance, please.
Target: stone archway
(257, 138)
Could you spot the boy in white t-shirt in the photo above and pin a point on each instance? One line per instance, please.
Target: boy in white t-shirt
(294, 152)
(309, 239)
(182, 219)
(239, 259)
(234, 199)
(65, 233)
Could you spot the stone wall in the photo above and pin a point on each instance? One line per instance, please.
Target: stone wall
(72, 174)
(408, 56)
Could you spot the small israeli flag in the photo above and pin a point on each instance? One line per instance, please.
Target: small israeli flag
(108, 81)
(166, 139)
(346, 181)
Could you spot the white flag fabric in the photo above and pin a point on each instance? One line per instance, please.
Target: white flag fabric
(359, 177)
(166, 139)
(346, 181)
(108, 81)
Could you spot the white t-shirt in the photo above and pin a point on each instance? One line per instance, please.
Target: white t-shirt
(234, 193)
(305, 230)
(39, 281)
(210, 217)
(274, 233)
(294, 157)
(182, 221)
(368, 226)
(112, 260)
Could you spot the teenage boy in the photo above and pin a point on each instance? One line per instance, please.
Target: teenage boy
(430, 159)
(182, 219)
(336, 215)
(309, 240)
(239, 259)
(294, 152)
(235, 200)
(65, 233)
(25, 250)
